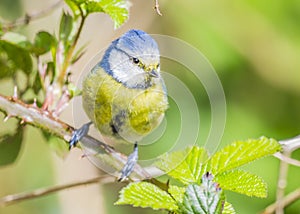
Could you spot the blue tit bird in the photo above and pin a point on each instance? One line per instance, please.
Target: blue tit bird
(124, 95)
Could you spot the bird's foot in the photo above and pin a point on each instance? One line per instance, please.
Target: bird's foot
(129, 166)
(78, 134)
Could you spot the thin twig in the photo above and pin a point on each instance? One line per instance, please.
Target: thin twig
(156, 8)
(287, 200)
(14, 198)
(286, 159)
(30, 17)
(104, 179)
(281, 184)
(289, 145)
(68, 59)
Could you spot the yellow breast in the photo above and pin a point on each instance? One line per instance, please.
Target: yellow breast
(123, 113)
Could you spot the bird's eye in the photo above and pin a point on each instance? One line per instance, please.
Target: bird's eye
(135, 60)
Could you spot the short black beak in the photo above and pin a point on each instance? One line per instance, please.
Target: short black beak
(154, 73)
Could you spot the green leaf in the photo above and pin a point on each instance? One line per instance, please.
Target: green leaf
(144, 194)
(73, 90)
(228, 208)
(93, 7)
(74, 6)
(66, 28)
(5, 67)
(17, 39)
(187, 166)
(79, 53)
(1, 30)
(10, 145)
(206, 198)
(14, 38)
(60, 147)
(13, 58)
(242, 182)
(242, 152)
(116, 9)
(50, 71)
(43, 42)
(36, 84)
(177, 192)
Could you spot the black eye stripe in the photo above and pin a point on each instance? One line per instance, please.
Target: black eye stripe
(134, 59)
(120, 50)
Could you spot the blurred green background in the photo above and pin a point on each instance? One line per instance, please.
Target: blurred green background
(254, 47)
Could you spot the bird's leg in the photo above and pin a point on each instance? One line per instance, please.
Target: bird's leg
(130, 163)
(78, 134)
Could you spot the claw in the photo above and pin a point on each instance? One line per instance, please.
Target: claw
(78, 134)
(129, 166)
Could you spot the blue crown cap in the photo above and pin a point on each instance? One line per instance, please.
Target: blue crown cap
(133, 43)
(137, 42)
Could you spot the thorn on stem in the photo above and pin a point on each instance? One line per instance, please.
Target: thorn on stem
(42, 68)
(62, 102)
(27, 19)
(83, 156)
(49, 98)
(34, 103)
(7, 117)
(15, 96)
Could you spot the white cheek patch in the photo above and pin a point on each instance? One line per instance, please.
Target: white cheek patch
(124, 71)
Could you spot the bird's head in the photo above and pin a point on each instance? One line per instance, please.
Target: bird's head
(133, 60)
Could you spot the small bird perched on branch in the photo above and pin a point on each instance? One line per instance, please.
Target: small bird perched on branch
(124, 95)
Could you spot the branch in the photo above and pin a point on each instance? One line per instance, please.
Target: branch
(288, 147)
(12, 199)
(30, 17)
(35, 116)
(31, 114)
(287, 200)
(291, 144)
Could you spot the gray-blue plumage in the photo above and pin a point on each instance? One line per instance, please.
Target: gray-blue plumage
(133, 45)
